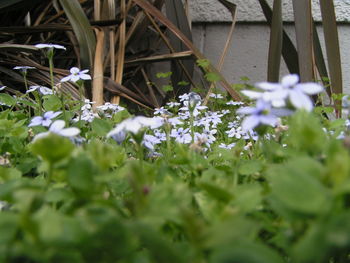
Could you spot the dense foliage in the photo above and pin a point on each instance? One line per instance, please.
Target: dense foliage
(192, 184)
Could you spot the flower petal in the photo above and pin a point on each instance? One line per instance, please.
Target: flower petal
(57, 126)
(252, 94)
(310, 88)
(69, 132)
(290, 80)
(65, 79)
(250, 122)
(268, 86)
(300, 100)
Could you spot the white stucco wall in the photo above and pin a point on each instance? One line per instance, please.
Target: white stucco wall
(249, 49)
(249, 10)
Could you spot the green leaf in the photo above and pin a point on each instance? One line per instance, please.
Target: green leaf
(250, 167)
(7, 99)
(52, 148)
(52, 103)
(167, 88)
(203, 63)
(163, 75)
(247, 252)
(212, 77)
(80, 174)
(100, 126)
(296, 185)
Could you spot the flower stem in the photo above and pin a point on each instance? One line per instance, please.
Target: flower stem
(51, 72)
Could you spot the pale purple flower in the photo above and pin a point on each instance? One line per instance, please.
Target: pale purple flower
(44, 120)
(77, 75)
(23, 69)
(42, 90)
(261, 114)
(234, 103)
(2, 88)
(173, 104)
(161, 111)
(216, 96)
(50, 46)
(227, 146)
(160, 134)
(174, 121)
(194, 108)
(289, 88)
(134, 126)
(181, 135)
(237, 132)
(149, 141)
(57, 127)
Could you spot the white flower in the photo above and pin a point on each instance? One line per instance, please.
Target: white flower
(76, 75)
(289, 88)
(161, 111)
(227, 146)
(216, 96)
(235, 132)
(149, 141)
(50, 46)
(194, 108)
(2, 88)
(42, 90)
(57, 127)
(23, 69)
(45, 120)
(234, 103)
(174, 121)
(172, 104)
(181, 135)
(134, 125)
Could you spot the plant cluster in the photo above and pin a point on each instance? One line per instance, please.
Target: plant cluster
(222, 182)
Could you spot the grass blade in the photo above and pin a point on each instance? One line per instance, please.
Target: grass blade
(83, 31)
(289, 51)
(276, 42)
(304, 32)
(332, 45)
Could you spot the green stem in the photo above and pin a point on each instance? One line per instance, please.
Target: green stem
(51, 73)
(25, 80)
(38, 100)
(191, 125)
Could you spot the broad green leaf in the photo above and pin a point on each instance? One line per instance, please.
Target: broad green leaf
(101, 127)
(52, 103)
(247, 252)
(250, 167)
(7, 99)
(80, 174)
(297, 186)
(52, 148)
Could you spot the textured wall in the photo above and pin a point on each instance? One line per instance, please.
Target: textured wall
(249, 10)
(248, 53)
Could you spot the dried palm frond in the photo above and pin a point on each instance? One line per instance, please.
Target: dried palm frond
(119, 41)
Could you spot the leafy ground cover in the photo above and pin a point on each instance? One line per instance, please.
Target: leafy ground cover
(222, 182)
